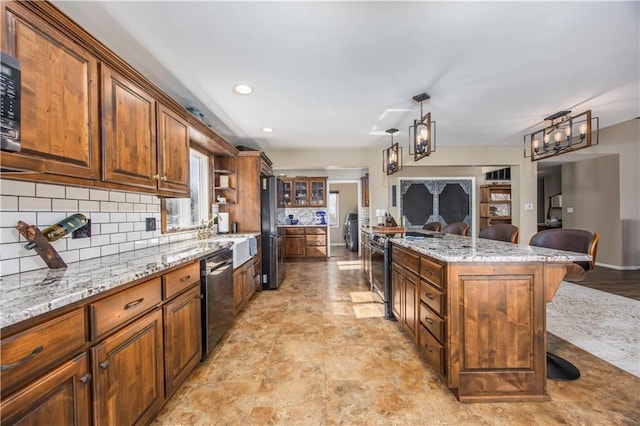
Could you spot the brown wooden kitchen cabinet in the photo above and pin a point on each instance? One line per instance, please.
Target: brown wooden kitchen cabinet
(145, 144)
(306, 243)
(243, 285)
(495, 205)
(60, 125)
(317, 192)
(62, 396)
(252, 166)
(285, 192)
(404, 285)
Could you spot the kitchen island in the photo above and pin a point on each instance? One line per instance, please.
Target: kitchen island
(476, 308)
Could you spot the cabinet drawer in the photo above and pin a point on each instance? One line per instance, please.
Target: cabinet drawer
(432, 351)
(294, 231)
(432, 322)
(316, 231)
(181, 279)
(432, 297)
(431, 271)
(316, 240)
(316, 251)
(34, 350)
(404, 258)
(115, 310)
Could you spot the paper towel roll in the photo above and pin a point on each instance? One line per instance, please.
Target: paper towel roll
(223, 222)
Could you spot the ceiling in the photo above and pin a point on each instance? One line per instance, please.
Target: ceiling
(337, 74)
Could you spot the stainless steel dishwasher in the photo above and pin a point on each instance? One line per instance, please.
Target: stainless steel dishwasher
(217, 298)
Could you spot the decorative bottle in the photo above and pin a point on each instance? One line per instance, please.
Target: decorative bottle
(62, 228)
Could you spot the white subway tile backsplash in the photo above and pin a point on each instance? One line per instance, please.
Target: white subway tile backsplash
(9, 235)
(9, 203)
(163, 240)
(109, 228)
(17, 187)
(147, 199)
(98, 195)
(140, 244)
(119, 238)
(95, 229)
(100, 240)
(70, 256)
(125, 207)
(108, 206)
(133, 236)
(90, 253)
(64, 205)
(88, 206)
(51, 191)
(124, 247)
(34, 204)
(100, 218)
(132, 197)
(10, 219)
(14, 250)
(139, 226)
(110, 249)
(125, 227)
(117, 196)
(153, 207)
(77, 193)
(119, 217)
(140, 208)
(133, 217)
(49, 218)
(8, 267)
(78, 243)
(30, 263)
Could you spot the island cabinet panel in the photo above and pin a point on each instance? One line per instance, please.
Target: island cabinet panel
(61, 397)
(60, 126)
(129, 146)
(128, 373)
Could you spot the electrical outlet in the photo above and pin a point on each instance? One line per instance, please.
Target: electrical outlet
(84, 232)
(569, 209)
(150, 223)
(528, 206)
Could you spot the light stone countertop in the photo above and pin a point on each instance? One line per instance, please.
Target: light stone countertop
(29, 294)
(456, 248)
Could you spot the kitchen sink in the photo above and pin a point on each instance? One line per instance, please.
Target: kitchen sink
(240, 249)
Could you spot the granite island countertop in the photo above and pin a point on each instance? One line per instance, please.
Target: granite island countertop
(29, 294)
(455, 248)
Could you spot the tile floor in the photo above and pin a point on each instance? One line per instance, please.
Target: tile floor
(300, 355)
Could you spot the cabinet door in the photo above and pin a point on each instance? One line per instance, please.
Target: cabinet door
(60, 397)
(173, 153)
(60, 126)
(286, 189)
(410, 320)
(128, 373)
(397, 292)
(182, 338)
(129, 145)
(301, 193)
(249, 284)
(317, 187)
(238, 288)
(294, 246)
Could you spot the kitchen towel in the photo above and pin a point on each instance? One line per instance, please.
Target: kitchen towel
(253, 246)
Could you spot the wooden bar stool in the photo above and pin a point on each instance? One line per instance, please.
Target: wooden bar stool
(432, 226)
(501, 232)
(458, 228)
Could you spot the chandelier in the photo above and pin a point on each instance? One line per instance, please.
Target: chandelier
(422, 137)
(392, 156)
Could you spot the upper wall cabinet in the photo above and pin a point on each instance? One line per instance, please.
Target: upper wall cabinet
(60, 131)
(142, 147)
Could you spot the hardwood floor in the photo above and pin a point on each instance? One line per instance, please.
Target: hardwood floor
(622, 283)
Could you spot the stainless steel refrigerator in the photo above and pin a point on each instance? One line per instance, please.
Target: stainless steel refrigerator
(269, 233)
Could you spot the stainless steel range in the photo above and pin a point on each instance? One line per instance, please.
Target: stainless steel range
(380, 270)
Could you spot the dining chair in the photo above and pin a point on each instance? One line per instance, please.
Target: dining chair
(458, 228)
(578, 241)
(501, 232)
(432, 226)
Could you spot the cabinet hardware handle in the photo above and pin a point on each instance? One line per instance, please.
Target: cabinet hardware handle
(33, 353)
(85, 379)
(183, 279)
(429, 320)
(133, 304)
(156, 177)
(164, 178)
(427, 347)
(429, 296)
(105, 364)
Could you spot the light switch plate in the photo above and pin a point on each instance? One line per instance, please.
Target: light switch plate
(569, 209)
(528, 206)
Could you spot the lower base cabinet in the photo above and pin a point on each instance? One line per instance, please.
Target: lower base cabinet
(62, 397)
(244, 285)
(182, 338)
(128, 373)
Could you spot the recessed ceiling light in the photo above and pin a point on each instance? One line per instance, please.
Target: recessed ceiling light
(268, 129)
(243, 89)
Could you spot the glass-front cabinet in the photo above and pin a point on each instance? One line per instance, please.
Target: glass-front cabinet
(285, 191)
(317, 188)
(301, 191)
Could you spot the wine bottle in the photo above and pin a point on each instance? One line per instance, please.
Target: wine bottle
(62, 228)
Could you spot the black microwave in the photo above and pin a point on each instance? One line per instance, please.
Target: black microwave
(9, 103)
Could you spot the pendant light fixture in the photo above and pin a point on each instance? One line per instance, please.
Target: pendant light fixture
(422, 135)
(392, 156)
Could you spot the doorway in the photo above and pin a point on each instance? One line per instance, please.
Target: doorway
(343, 196)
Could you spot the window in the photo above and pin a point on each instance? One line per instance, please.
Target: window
(187, 213)
(332, 205)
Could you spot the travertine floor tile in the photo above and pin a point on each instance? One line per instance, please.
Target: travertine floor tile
(299, 355)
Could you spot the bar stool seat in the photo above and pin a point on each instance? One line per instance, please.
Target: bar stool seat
(458, 228)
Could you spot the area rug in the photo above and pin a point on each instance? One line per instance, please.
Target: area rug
(603, 324)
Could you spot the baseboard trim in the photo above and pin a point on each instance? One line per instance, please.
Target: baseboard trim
(619, 268)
